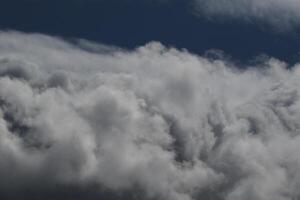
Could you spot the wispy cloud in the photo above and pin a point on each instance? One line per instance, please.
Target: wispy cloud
(281, 15)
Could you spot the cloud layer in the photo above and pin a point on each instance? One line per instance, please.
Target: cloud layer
(155, 121)
(280, 14)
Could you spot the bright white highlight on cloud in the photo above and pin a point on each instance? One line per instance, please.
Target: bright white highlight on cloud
(282, 14)
(172, 124)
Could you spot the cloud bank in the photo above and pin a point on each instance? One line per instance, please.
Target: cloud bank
(276, 13)
(156, 122)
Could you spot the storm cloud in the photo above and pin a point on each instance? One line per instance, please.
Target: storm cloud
(154, 123)
(278, 14)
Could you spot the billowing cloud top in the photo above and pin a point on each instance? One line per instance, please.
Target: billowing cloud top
(281, 14)
(156, 121)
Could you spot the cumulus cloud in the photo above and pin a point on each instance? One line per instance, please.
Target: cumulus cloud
(154, 122)
(279, 14)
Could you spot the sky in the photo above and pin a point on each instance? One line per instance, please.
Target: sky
(179, 23)
(149, 100)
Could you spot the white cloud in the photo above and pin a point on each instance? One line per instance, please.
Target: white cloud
(280, 14)
(173, 124)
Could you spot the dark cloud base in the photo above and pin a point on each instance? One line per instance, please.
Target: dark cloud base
(70, 193)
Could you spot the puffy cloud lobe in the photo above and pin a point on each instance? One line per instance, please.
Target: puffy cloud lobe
(280, 14)
(156, 120)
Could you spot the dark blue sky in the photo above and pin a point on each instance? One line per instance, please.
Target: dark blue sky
(131, 23)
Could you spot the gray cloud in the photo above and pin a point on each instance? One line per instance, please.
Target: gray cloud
(281, 15)
(153, 123)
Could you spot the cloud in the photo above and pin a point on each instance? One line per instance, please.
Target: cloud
(281, 15)
(151, 123)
